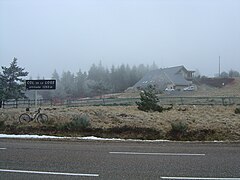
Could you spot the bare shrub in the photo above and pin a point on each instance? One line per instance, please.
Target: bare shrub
(2, 125)
(79, 122)
(237, 110)
(178, 129)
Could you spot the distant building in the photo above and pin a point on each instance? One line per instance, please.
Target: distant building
(175, 78)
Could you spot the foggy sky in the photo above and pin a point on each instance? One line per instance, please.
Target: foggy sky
(73, 34)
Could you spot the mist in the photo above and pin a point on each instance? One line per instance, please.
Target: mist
(70, 35)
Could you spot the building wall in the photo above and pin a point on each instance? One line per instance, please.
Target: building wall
(170, 86)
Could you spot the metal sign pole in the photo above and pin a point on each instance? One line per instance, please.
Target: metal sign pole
(35, 98)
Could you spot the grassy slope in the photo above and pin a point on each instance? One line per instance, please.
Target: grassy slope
(204, 122)
(232, 89)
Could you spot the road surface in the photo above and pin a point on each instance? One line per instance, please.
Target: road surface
(45, 159)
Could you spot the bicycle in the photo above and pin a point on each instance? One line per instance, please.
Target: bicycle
(41, 117)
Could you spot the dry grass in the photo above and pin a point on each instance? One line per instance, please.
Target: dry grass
(203, 122)
(228, 90)
(220, 120)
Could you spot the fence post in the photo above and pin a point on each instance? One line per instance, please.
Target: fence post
(231, 101)
(16, 103)
(182, 100)
(223, 101)
(68, 102)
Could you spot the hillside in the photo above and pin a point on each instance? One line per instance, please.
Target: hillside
(231, 89)
(179, 123)
(191, 122)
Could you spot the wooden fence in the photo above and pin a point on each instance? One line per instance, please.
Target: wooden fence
(163, 100)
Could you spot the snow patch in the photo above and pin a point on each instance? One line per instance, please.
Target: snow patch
(27, 136)
(80, 138)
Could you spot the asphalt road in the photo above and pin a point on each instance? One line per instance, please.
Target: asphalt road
(35, 159)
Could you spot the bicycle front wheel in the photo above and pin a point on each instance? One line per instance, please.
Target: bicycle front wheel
(23, 118)
(42, 118)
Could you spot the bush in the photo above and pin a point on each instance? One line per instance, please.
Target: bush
(149, 100)
(237, 110)
(178, 130)
(79, 122)
(2, 125)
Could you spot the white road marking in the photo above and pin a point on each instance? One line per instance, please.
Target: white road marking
(48, 173)
(159, 154)
(199, 178)
(3, 148)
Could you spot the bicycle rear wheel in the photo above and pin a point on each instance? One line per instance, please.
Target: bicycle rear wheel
(23, 118)
(42, 118)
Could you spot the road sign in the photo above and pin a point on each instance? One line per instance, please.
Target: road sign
(41, 84)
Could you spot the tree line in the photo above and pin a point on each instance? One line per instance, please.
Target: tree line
(232, 73)
(97, 81)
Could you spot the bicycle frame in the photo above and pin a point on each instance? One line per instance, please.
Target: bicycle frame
(35, 115)
(26, 117)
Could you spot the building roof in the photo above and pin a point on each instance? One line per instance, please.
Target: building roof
(164, 76)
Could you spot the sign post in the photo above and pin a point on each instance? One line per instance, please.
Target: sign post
(36, 98)
(49, 84)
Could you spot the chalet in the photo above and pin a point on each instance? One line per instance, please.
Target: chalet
(175, 78)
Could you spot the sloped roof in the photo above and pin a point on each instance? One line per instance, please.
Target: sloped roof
(176, 77)
(162, 77)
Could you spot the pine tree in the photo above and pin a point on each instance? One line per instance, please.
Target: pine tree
(80, 84)
(149, 100)
(11, 81)
(67, 82)
(1, 90)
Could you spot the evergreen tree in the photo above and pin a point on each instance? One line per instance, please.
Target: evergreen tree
(55, 76)
(224, 74)
(92, 73)
(1, 90)
(11, 81)
(59, 93)
(149, 100)
(98, 88)
(133, 78)
(80, 84)
(67, 82)
(233, 73)
(153, 66)
(142, 70)
(98, 73)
